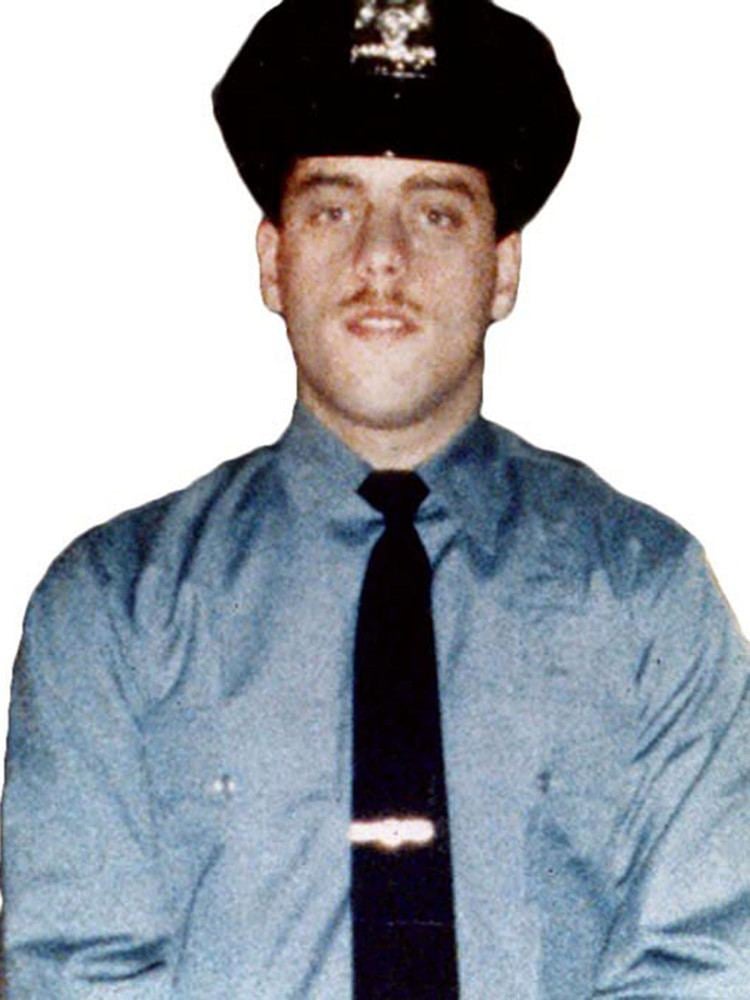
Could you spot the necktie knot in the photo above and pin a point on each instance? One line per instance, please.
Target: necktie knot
(397, 495)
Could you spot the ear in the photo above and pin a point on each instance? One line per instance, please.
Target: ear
(508, 260)
(267, 245)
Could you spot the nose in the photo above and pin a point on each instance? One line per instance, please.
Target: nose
(382, 247)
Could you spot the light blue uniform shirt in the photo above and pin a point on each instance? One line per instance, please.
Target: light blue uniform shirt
(177, 802)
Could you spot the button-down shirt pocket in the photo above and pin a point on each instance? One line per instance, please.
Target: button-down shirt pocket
(192, 794)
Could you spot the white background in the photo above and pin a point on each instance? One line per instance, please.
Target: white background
(136, 354)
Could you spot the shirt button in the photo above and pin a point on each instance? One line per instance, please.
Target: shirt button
(223, 787)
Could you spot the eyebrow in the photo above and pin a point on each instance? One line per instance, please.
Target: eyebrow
(321, 178)
(427, 183)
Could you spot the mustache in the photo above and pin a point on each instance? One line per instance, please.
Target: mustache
(367, 297)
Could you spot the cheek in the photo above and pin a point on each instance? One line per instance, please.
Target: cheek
(458, 286)
(310, 278)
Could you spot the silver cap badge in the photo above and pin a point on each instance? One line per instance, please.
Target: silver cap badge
(383, 38)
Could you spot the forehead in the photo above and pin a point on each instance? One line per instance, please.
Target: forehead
(387, 175)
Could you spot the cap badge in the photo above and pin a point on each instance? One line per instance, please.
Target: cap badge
(383, 39)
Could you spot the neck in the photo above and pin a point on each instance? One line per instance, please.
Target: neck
(400, 446)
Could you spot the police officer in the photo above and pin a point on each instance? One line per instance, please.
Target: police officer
(400, 707)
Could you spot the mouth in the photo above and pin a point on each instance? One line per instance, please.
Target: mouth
(389, 323)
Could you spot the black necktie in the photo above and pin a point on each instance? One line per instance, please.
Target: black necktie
(404, 944)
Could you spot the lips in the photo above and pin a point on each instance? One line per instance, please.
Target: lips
(388, 323)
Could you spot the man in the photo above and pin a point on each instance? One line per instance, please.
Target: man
(190, 745)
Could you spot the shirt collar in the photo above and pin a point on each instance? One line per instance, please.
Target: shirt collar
(467, 479)
(321, 472)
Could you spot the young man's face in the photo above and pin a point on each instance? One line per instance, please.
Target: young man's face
(387, 272)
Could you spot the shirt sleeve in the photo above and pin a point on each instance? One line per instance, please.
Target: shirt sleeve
(682, 926)
(85, 910)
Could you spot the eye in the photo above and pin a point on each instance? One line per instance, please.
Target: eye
(435, 217)
(326, 215)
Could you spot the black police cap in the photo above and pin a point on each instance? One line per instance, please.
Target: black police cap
(456, 80)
